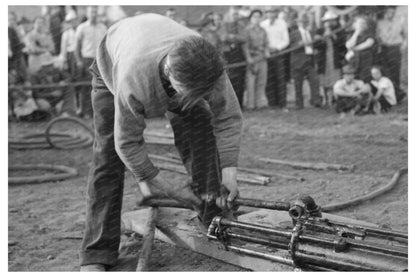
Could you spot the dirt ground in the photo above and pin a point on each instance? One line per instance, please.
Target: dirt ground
(46, 220)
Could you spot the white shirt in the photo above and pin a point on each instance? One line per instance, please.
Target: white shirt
(68, 41)
(387, 85)
(277, 33)
(341, 88)
(91, 36)
(306, 37)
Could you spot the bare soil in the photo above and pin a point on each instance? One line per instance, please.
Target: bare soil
(46, 221)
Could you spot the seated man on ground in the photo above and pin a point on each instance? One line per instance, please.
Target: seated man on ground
(56, 100)
(383, 93)
(351, 95)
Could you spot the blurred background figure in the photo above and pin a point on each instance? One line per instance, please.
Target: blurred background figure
(302, 62)
(17, 62)
(361, 47)
(39, 45)
(55, 101)
(382, 88)
(88, 36)
(172, 14)
(351, 95)
(68, 44)
(56, 18)
(278, 35)
(330, 53)
(232, 38)
(392, 36)
(256, 50)
(209, 30)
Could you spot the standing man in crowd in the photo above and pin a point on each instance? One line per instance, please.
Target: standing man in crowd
(88, 36)
(146, 66)
(278, 34)
(233, 37)
(392, 35)
(302, 62)
(256, 50)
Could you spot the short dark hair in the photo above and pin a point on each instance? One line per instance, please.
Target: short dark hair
(197, 65)
(255, 11)
(379, 68)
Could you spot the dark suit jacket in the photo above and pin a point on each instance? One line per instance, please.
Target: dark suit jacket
(298, 57)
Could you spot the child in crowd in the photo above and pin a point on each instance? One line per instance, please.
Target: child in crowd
(382, 88)
(351, 95)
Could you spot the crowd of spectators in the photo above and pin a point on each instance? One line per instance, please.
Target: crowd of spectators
(350, 56)
(278, 45)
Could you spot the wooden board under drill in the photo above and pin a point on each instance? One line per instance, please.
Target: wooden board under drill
(180, 227)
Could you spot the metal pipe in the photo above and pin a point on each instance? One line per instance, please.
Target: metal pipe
(262, 241)
(274, 258)
(369, 229)
(326, 262)
(264, 204)
(253, 227)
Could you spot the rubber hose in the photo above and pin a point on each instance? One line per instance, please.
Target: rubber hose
(66, 173)
(358, 200)
(71, 145)
(38, 141)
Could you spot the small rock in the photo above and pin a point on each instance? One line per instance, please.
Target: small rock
(50, 257)
(13, 211)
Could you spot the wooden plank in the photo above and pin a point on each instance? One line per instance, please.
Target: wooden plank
(180, 227)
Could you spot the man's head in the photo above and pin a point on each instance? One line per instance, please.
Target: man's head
(171, 13)
(271, 13)
(283, 15)
(92, 13)
(348, 73)
(390, 12)
(255, 16)
(40, 24)
(193, 66)
(233, 14)
(303, 20)
(376, 72)
(360, 23)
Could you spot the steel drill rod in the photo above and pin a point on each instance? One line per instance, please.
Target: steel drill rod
(392, 250)
(282, 260)
(262, 241)
(369, 229)
(253, 227)
(254, 203)
(318, 261)
(332, 264)
(263, 204)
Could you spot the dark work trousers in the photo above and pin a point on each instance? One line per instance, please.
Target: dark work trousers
(195, 141)
(72, 65)
(237, 75)
(299, 74)
(84, 92)
(391, 58)
(276, 81)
